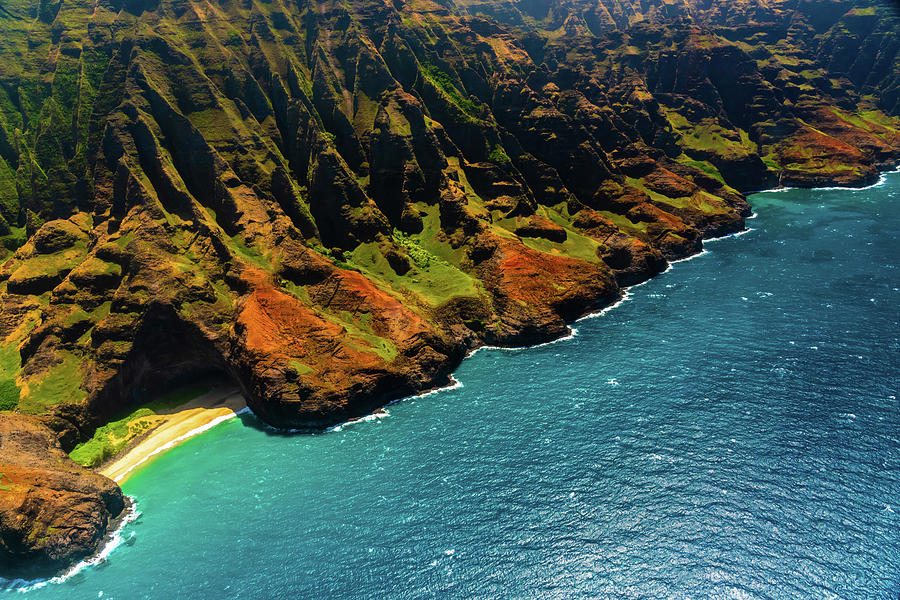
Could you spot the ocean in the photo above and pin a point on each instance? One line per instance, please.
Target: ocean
(730, 430)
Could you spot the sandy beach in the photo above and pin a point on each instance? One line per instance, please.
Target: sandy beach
(188, 420)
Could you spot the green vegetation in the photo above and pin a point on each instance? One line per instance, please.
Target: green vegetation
(700, 201)
(419, 255)
(877, 123)
(9, 394)
(113, 437)
(705, 166)
(300, 368)
(334, 256)
(50, 265)
(365, 341)
(62, 383)
(251, 255)
(708, 136)
(444, 83)
(498, 156)
(14, 239)
(97, 266)
(624, 224)
(433, 278)
(576, 245)
(233, 110)
(770, 162)
(9, 195)
(10, 362)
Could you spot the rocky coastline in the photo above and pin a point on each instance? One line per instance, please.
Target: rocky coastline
(59, 512)
(332, 206)
(96, 509)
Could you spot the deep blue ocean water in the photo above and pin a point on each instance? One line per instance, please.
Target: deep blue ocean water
(732, 430)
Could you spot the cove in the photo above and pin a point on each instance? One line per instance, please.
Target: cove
(732, 430)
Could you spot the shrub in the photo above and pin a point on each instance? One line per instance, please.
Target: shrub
(91, 453)
(444, 82)
(498, 156)
(9, 395)
(419, 255)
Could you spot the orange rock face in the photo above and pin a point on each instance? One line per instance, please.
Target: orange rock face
(536, 292)
(340, 357)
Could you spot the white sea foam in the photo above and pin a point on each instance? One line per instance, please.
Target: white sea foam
(572, 333)
(834, 188)
(685, 259)
(703, 252)
(626, 295)
(627, 292)
(116, 538)
(775, 190)
(454, 384)
(380, 413)
(881, 179)
(113, 540)
(374, 416)
(729, 235)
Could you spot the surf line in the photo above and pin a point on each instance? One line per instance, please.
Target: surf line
(114, 539)
(171, 443)
(882, 178)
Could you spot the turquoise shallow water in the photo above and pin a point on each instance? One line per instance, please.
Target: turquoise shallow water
(730, 431)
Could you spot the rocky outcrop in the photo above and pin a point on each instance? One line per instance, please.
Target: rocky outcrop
(52, 511)
(331, 203)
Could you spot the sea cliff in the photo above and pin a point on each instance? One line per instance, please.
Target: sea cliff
(331, 203)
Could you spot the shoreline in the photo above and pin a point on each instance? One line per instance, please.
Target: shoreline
(197, 416)
(887, 170)
(625, 296)
(166, 435)
(453, 383)
(192, 418)
(180, 423)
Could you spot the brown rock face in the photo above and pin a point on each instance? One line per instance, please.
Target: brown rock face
(52, 511)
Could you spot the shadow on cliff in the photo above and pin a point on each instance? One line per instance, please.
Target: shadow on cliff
(169, 356)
